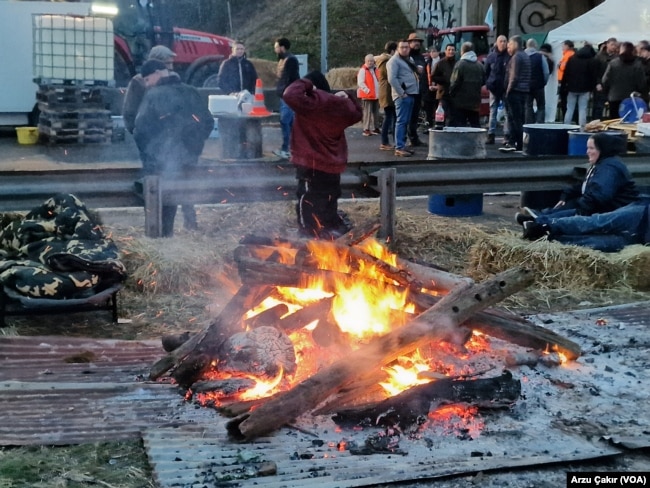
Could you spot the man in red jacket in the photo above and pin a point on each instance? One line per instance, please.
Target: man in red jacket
(319, 151)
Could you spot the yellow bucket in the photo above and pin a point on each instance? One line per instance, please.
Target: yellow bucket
(27, 135)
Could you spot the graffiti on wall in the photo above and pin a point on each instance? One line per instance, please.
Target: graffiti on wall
(537, 16)
(435, 14)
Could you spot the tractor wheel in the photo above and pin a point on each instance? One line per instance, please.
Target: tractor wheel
(205, 76)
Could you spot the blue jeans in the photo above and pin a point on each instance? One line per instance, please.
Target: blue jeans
(494, 108)
(608, 232)
(286, 121)
(403, 109)
(580, 99)
(388, 125)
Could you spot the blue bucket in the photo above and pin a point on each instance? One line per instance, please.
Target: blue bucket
(578, 140)
(456, 205)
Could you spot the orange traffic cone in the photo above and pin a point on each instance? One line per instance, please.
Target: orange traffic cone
(259, 109)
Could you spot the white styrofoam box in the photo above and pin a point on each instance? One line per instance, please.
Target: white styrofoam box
(73, 48)
(643, 128)
(222, 104)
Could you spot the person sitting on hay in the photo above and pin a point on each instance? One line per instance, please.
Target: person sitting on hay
(607, 186)
(608, 232)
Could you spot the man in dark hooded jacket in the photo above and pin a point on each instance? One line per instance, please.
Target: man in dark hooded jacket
(171, 127)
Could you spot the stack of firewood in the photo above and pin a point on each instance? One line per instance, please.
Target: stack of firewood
(448, 307)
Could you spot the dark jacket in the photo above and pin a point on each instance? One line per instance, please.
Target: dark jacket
(133, 98)
(621, 78)
(581, 72)
(466, 81)
(288, 72)
(608, 185)
(538, 71)
(495, 71)
(171, 127)
(420, 61)
(441, 76)
(318, 132)
(237, 74)
(518, 73)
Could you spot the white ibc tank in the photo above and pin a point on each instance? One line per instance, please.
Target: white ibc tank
(73, 48)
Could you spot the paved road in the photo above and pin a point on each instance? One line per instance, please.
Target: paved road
(14, 156)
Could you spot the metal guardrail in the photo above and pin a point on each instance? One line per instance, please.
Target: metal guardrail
(263, 180)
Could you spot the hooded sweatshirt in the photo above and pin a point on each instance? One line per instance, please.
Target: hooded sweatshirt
(467, 78)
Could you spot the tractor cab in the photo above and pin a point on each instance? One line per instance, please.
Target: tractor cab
(476, 34)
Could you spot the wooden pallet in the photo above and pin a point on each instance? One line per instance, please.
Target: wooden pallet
(76, 119)
(71, 97)
(84, 136)
(76, 126)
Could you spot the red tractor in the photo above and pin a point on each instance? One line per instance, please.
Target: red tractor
(141, 24)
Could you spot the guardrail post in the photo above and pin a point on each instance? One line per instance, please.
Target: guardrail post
(152, 194)
(387, 198)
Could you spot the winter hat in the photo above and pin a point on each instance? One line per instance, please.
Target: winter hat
(319, 80)
(151, 66)
(161, 53)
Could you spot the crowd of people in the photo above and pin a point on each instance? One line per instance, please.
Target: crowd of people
(402, 82)
(413, 83)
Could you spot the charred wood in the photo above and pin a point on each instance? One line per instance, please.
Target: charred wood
(405, 409)
(174, 341)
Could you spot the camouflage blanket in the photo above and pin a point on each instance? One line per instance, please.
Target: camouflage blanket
(58, 251)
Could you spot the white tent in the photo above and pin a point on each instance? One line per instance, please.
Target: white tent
(626, 20)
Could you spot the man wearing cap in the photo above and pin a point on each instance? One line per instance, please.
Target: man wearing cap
(171, 127)
(135, 89)
(415, 45)
(237, 73)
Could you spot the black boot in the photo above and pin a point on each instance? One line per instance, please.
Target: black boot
(534, 231)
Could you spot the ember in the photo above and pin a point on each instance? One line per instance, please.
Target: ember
(350, 325)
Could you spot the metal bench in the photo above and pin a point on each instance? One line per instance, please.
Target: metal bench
(14, 304)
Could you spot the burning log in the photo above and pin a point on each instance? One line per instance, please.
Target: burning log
(194, 356)
(517, 330)
(306, 315)
(269, 317)
(405, 408)
(441, 322)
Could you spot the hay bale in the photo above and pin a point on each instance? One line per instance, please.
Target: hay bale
(635, 261)
(556, 265)
(342, 78)
(266, 71)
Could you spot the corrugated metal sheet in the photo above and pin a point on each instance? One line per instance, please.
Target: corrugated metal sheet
(199, 457)
(65, 390)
